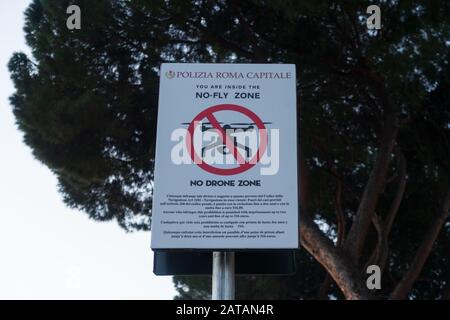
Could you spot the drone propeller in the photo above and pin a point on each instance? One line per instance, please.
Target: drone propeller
(246, 123)
(203, 123)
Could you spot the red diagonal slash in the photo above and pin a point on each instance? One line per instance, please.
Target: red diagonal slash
(226, 139)
(244, 165)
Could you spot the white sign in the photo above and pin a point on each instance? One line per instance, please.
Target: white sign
(226, 157)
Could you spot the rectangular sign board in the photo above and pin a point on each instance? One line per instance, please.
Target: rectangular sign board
(226, 157)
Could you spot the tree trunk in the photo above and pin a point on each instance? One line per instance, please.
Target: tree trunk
(333, 259)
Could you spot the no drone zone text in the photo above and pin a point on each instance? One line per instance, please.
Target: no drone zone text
(226, 183)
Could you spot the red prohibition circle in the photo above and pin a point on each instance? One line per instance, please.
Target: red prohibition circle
(209, 114)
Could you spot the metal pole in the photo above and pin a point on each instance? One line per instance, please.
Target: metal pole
(223, 276)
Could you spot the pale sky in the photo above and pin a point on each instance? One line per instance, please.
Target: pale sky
(48, 251)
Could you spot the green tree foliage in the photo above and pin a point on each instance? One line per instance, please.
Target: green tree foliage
(86, 102)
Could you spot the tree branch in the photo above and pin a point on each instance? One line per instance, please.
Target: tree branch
(383, 227)
(446, 290)
(401, 173)
(340, 222)
(375, 185)
(340, 218)
(404, 286)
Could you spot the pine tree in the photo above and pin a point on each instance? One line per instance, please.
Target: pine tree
(374, 123)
